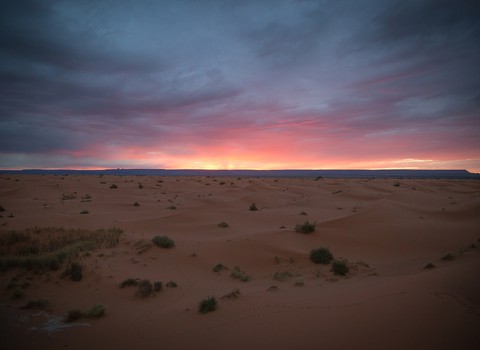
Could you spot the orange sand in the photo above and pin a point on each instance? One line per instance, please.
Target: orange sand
(387, 233)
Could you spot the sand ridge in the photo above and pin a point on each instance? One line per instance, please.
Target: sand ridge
(386, 229)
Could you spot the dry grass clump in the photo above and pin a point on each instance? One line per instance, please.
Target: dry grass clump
(223, 224)
(47, 248)
(163, 241)
(237, 273)
(208, 304)
(74, 271)
(218, 268)
(97, 311)
(282, 276)
(232, 295)
(306, 227)
(145, 289)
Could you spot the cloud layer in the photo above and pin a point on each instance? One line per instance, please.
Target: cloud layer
(240, 84)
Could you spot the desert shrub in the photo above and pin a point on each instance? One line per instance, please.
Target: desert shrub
(74, 271)
(282, 276)
(16, 293)
(37, 304)
(157, 286)
(140, 186)
(237, 273)
(145, 289)
(340, 268)
(2, 208)
(223, 224)
(129, 282)
(429, 266)
(172, 207)
(69, 196)
(208, 304)
(172, 284)
(84, 212)
(321, 256)
(96, 311)
(232, 295)
(113, 186)
(163, 241)
(73, 315)
(253, 207)
(447, 257)
(218, 268)
(306, 227)
(396, 184)
(303, 213)
(136, 204)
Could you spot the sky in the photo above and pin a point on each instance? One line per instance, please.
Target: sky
(240, 84)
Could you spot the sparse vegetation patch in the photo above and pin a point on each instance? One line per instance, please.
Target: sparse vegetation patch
(47, 248)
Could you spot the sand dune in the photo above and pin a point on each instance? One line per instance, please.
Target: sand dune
(386, 233)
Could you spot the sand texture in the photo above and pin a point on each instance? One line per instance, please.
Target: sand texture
(385, 230)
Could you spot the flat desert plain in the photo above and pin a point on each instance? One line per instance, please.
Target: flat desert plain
(412, 248)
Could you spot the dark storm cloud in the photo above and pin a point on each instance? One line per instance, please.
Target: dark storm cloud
(171, 73)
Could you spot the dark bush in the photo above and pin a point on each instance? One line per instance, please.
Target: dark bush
(253, 207)
(74, 271)
(340, 268)
(73, 315)
(208, 304)
(163, 241)
(157, 286)
(145, 289)
(172, 284)
(218, 268)
(96, 311)
(321, 256)
(306, 227)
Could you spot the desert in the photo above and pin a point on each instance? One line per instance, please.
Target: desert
(243, 246)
